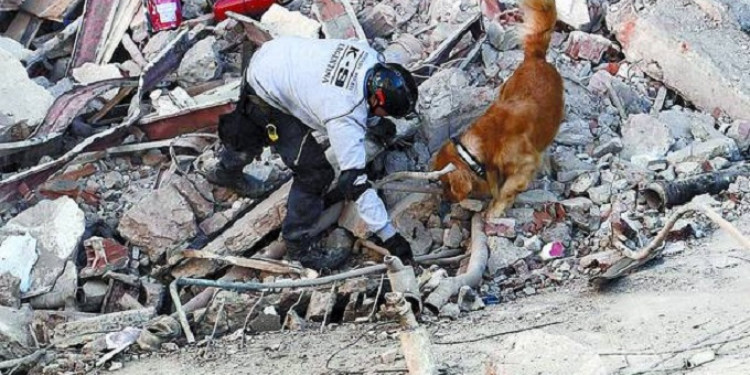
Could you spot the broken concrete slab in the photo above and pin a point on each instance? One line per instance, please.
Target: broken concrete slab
(242, 235)
(591, 47)
(645, 135)
(159, 222)
(447, 103)
(17, 258)
(29, 103)
(338, 19)
(56, 227)
(686, 124)
(82, 331)
(678, 45)
(200, 64)
(574, 132)
(15, 337)
(503, 253)
(14, 48)
(702, 151)
(378, 21)
(10, 290)
(573, 12)
(282, 22)
(405, 50)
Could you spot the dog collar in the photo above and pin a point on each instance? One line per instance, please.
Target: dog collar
(469, 159)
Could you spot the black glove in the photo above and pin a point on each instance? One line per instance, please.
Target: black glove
(384, 131)
(399, 247)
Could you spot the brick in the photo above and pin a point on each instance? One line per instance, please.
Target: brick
(587, 46)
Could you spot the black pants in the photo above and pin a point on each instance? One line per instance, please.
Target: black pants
(312, 173)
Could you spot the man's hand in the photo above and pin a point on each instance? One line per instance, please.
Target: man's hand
(399, 247)
(384, 131)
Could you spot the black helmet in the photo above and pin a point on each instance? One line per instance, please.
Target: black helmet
(395, 89)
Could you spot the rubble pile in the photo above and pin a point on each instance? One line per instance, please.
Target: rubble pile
(102, 202)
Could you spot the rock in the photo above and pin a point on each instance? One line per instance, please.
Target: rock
(339, 239)
(24, 102)
(573, 12)
(502, 37)
(688, 168)
(14, 48)
(283, 22)
(450, 311)
(702, 151)
(578, 209)
(405, 50)
(93, 295)
(194, 8)
(584, 182)
(472, 205)
(321, 305)
(90, 73)
(267, 321)
(645, 135)
(202, 208)
(468, 300)
(378, 21)
(157, 43)
(18, 255)
(10, 290)
(15, 338)
(414, 232)
(531, 198)
(503, 253)
(529, 358)
(574, 133)
(234, 309)
(552, 250)
(159, 222)
(453, 237)
(200, 64)
(740, 132)
(558, 232)
(113, 180)
(613, 146)
(503, 227)
(591, 47)
(56, 228)
(600, 194)
(169, 347)
(681, 47)
(447, 103)
(568, 166)
(684, 124)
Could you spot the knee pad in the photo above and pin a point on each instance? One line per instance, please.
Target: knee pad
(353, 183)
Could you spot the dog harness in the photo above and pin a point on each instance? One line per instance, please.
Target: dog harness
(469, 159)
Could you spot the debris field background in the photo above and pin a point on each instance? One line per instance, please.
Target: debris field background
(104, 125)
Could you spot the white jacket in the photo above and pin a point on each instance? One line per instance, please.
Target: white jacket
(321, 82)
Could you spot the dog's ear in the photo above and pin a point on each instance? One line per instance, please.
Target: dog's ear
(457, 184)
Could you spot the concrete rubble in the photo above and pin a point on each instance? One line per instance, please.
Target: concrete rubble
(101, 192)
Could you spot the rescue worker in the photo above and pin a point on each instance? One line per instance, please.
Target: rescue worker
(342, 88)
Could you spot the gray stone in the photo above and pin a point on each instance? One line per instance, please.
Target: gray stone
(200, 64)
(740, 10)
(719, 163)
(339, 239)
(14, 48)
(645, 135)
(560, 232)
(10, 290)
(613, 146)
(202, 208)
(159, 222)
(24, 102)
(472, 205)
(502, 38)
(321, 305)
(568, 166)
(684, 124)
(113, 180)
(453, 237)
(531, 198)
(157, 43)
(194, 8)
(688, 168)
(600, 194)
(584, 182)
(15, 337)
(574, 132)
(405, 50)
(702, 151)
(740, 132)
(55, 228)
(579, 211)
(468, 300)
(378, 21)
(450, 311)
(503, 253)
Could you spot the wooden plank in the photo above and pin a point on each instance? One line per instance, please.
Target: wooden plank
(23, 28)
(53, 10)
(123, 17)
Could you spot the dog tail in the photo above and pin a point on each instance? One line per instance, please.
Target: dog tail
(540, 17)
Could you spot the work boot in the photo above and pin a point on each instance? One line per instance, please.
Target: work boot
(313, 254)
(236, 180)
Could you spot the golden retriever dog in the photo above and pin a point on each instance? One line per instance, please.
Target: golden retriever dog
(500, 152)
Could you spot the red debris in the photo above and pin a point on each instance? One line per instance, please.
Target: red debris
(102, 255)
